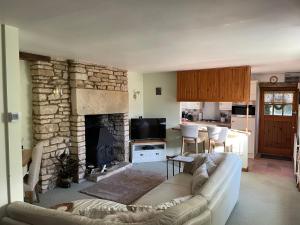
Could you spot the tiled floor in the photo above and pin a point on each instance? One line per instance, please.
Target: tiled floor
(271, 167)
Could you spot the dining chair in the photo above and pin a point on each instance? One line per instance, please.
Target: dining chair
(190, 135)
(31, 183)
(217, 136)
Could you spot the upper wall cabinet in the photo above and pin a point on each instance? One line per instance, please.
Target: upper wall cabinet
(230, 84)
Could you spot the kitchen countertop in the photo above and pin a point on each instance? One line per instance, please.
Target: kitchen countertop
(217, 123)
(210, 122)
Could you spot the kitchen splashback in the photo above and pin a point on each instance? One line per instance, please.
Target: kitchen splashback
(211, 111)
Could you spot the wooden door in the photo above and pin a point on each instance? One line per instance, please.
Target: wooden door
(278, 120)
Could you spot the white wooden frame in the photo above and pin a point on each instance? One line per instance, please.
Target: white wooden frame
(296, 159)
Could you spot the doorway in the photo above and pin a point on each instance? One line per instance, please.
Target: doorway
(278, 120)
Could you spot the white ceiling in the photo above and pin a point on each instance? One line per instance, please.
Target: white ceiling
(161, 35)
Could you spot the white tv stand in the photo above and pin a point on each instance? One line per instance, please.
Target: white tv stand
(148, 151)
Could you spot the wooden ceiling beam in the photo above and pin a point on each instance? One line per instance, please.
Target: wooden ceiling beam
(33, 57)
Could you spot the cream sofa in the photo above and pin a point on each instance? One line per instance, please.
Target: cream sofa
(212, 207)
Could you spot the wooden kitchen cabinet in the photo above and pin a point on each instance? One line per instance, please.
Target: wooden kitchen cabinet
(230, 84)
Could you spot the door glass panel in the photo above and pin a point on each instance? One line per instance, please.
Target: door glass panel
(288, 110)
(268, 109)
(278, 97)
(278, 103)
(288, 97)
(278, 110)
(268, 97)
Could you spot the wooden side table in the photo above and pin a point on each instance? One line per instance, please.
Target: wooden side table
(180, 159)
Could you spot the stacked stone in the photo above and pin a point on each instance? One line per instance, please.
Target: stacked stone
(78, 149)
(118, 126)
(121, 133)
(52, 119)
(92, 76)
(51, 114)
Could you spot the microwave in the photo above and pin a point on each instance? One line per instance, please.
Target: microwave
(241, 110)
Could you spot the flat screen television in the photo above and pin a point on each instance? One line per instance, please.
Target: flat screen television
(148, 128)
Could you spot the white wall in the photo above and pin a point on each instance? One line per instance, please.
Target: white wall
(135, 83)
(26, 105)
(265, 77)
(164, 105)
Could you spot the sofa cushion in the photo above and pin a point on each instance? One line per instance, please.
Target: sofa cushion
(131, 217)
(163, 193)
(217, 158)
(182, 179)
(200, 176)
(173, 202)
(200, 158)
(183, 212)
(82, 206)
(215, 181)
(35, 215)
(176, 215)
(210, 165)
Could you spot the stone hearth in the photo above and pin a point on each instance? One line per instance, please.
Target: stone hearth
(60, 118)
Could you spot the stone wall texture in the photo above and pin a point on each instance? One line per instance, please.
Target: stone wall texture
(52, 117)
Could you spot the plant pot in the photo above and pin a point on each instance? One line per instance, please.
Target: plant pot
(65, 182)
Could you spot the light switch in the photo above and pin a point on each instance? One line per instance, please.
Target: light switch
(13, 116)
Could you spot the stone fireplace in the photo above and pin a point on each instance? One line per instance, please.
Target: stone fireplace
(104, 138)
(86, 90)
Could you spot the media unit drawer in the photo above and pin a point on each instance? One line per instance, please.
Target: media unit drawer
(148, 155)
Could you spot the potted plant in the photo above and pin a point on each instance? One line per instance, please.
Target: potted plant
(68, 167)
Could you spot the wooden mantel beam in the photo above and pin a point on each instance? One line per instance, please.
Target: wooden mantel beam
(33, 57)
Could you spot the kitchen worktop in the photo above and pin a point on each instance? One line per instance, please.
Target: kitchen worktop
(210, 122)
(202, 126)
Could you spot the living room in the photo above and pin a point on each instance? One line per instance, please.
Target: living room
(101, 99)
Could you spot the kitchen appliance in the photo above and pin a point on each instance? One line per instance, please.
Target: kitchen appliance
(241, 110)
(200, 116)
(148, 128)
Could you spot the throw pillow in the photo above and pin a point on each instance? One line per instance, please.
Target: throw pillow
(198, 160)
(210, 166)
(217, 158)
(200, 176)
(97, 208)
(65, 207)
(173, 202)
(131, 217)
(139, 208)
(100, 213)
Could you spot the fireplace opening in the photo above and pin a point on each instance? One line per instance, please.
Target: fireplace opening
(100, 141)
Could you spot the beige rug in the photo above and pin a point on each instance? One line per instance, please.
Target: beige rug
(126, 186)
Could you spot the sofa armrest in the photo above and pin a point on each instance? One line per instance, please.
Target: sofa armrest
(9, 221)
(203, 219)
